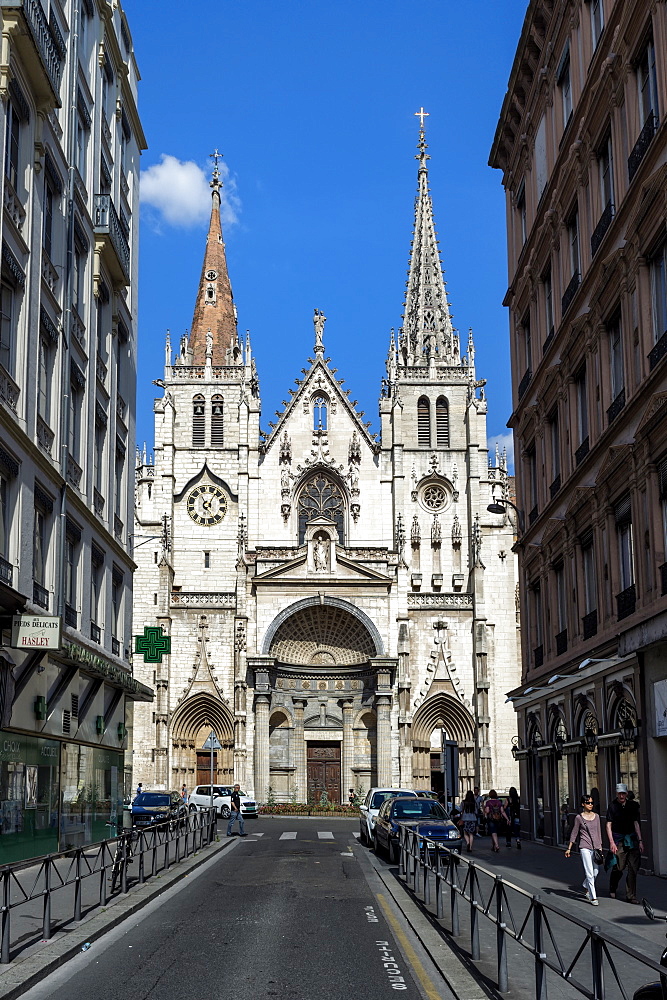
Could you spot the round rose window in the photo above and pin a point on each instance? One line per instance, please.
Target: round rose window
(434, 497)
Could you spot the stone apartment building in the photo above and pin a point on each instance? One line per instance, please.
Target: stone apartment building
(71, 140)
(581, 143)
(341, 605)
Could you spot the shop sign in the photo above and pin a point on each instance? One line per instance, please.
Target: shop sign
(107, 670)
(35, 632)
(660, 699)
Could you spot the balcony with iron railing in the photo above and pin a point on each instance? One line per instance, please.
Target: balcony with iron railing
(6, 571)
(658, 352)
(107, 223)
(538, 656)
(582, 450)
(532, 514)
(626, 602)
(40, 40)
(549, 337)
(95, 632)
(115, 646)
(71, 616)
(40, 595)
(524, 383)
(616, 406)
(602, 227)
(561, 642)
(570, 291)
(663, 579)
(555, 487)
(589, 624)
(641, 146)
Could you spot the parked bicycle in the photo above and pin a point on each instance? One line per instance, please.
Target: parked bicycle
(123, 855)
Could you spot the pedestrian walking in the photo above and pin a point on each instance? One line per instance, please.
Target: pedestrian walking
(495, 817)
(587, 831)
(140, 788)
(479, 808)
(235, 813)
(184, 793)
(469, 817)
(513, 813)
(625, 842)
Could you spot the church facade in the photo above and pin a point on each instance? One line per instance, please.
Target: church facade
(341, 605)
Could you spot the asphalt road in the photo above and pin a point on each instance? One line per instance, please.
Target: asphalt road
(294, 910)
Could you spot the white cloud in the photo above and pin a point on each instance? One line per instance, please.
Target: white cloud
(505, 440)
(179, 192)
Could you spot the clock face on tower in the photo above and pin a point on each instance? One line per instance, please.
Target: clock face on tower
(207, 504)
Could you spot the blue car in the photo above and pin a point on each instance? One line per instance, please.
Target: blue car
(150, 808)
(425, 816)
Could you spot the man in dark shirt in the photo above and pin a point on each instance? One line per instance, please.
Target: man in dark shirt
(625, 841)
(235, 813)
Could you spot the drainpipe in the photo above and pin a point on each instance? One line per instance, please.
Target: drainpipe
(67, 320)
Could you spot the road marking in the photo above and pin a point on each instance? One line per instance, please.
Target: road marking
(288, 836)
(425, 980)
(346, 854)
(325, 835)
(258, 834)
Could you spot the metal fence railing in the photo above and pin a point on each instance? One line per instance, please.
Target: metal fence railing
(593, 963)
(58, 888)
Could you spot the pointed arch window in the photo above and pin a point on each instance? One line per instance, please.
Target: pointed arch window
(217, 422)
(321, 496)
(442, 422)
(320, 413)
(424, 423)
(198, 422)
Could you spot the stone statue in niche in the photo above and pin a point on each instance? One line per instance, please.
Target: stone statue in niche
(285, 481)
(209, 345)
(353, 478)
(321, 554)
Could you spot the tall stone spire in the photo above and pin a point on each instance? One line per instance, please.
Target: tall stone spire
(427, 330)
(214, 308)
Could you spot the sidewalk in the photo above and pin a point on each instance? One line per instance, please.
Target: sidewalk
(545, 871)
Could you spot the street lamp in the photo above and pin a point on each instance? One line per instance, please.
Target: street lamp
(498, 507)
(628, 731)
(590, 739)
(517, 745)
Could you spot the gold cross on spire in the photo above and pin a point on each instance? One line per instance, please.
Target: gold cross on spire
(215, 156)
(421, 114)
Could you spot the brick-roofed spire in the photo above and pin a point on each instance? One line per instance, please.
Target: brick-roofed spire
(427, 330)
(214, 308)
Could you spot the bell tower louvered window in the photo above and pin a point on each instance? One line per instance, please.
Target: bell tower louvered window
(198, 422)
(217, 418)
(442, 422)
(424, 423)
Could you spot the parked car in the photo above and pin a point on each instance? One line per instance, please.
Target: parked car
(426, 816)
(370, 807)
(200, 798)
(423, 794)
(150, 808)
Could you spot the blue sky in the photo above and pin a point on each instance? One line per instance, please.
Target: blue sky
(312, 105)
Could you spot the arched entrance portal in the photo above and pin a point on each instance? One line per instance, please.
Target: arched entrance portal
(190, 726)
(324, 726)
(444, 717)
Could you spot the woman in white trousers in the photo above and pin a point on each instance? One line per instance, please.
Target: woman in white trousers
(587, 831)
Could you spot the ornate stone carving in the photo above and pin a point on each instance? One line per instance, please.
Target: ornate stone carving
(212, 599)
(457, 535)
(354, 450)
(415, 533)
(285, 456)
(240, 636)
(355, 510)
(430, 602)
(436, 531)
(477, 544)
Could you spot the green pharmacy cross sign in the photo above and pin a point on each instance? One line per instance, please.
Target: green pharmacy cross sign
(153, 644)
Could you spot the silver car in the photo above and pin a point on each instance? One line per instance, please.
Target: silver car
(370, 808)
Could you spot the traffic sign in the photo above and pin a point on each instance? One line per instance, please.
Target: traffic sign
(212, 742)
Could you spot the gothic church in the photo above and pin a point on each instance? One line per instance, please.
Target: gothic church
(341, 604)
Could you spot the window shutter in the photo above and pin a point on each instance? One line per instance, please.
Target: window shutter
(424, 423)
(623, 511)
(198, 423)
(442, 422)
(662, 479)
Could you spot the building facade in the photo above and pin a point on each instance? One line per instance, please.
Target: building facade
(581, 143)
(70, 202)
(341, 605)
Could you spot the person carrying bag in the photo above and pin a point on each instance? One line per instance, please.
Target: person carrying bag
(587, 831)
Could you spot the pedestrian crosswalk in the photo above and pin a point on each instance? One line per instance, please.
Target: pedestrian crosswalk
(321, 834)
